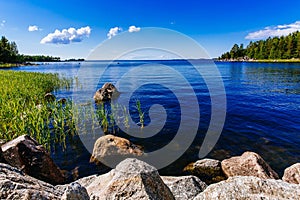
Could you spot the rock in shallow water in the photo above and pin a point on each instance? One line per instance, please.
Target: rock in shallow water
(112, 150)
(250, 187)
(292, 174)
(106, 93)
(248, 164)
(208, 170)
(26, 154)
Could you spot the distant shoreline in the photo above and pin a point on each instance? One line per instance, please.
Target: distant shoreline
(262, 60)
(12, 65)
(37, 63)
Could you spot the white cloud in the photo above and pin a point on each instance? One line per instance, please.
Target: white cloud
(2, 23)
(113, 32)
(116, 30)
(67, 36)
(134, 29)
(272, 31)
(33, 28)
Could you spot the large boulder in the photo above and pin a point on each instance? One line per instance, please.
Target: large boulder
(248, 164)
(250, 187)
(292, 174)
(107, 92)
(184, 187)
(131, 179)
(26, 154)
(14, 184)
(112, 150)
(208, 170)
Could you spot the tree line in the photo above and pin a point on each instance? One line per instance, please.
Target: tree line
(9, 54)
(284, 47)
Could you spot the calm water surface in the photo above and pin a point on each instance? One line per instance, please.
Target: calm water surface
(263, 109)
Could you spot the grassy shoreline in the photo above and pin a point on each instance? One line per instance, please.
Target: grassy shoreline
(25, 110)
(12, 65)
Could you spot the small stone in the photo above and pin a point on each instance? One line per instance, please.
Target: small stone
(49, 97)
(292, 174)
(75, 191)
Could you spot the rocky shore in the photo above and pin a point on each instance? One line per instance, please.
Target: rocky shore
(28, 172)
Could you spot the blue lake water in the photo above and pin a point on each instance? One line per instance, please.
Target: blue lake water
(263, 107)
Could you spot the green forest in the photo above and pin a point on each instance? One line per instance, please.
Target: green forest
(284, 47)
(9, 54)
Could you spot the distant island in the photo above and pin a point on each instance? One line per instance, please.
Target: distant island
(74, 60)
(9, 55)
(276, 49)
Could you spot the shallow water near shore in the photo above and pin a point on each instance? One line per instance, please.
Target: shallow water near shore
(263, 111)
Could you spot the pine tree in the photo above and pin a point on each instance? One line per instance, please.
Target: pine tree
(284, 47)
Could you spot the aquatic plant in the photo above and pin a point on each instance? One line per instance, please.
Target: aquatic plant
(107, 115)
(24, 109)
(141, 113)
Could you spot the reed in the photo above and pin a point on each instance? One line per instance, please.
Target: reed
(109, 116)
(24, 110)
(140, 112)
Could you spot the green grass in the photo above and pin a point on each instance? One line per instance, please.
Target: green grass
(24, 110)
(8, 65)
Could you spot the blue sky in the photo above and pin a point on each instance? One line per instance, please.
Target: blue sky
(216, 25)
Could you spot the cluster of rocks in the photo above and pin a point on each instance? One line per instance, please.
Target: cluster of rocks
(28, 172)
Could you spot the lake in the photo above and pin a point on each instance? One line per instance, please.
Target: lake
(263, 108)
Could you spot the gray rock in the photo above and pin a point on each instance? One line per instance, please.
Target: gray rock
(131, 179)
(184, 187)
(14, 184)
(75, 191)
(26, 154)
(208, 170)
(292, 174)
(112, 150)
(106, 93)
(250, 187)
(248, 164)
